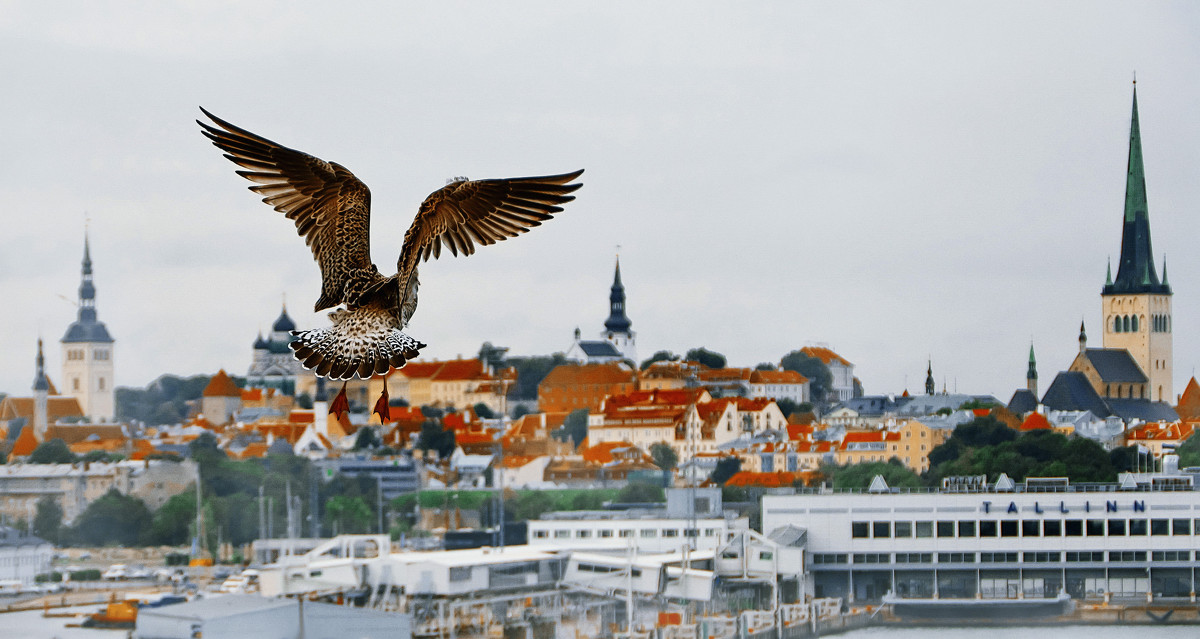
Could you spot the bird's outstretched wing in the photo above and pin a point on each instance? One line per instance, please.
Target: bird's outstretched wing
(468, 212)
(331, 207)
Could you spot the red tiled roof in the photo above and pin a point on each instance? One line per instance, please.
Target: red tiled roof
(457, 370)
(1189, 402)
(777, 377)
(26, 442)
(824, 354)
(221, 386)
(252, 394)
(769, 480)
(576, 374)
(1035, 421)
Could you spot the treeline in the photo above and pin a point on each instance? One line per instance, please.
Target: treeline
(986, 446)
(166, 400)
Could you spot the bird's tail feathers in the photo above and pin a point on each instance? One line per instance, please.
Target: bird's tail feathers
(359, 342)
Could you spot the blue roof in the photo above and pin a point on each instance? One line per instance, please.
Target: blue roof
(599, 349)
(1072, 391)
(84, 330)
(1115, 366)
(1022, 402)
(1143, 409)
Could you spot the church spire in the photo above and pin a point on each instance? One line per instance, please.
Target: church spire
(1135, 270)
(1031, 374)
(930, 385)
(617, 321)
(86, 327)
(40, 381)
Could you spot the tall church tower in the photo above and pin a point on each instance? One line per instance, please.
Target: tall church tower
(1137, 305)
(87, 352)
(618, 327)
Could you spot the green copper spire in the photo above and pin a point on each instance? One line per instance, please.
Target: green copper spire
(1108, 275)
(1032, 373)
(1135, 270)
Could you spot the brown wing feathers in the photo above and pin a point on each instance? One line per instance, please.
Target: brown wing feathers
(466, 213)
(322, 199)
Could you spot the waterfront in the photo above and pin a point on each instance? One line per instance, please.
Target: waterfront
(1022, 632)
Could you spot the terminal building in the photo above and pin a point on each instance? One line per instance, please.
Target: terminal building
(1007, 540)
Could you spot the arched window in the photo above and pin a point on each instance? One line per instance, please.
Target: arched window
(1135, 323)
(1125, 324)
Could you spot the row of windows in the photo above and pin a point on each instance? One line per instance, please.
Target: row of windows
(1039, 557)
(1023, 528)
(645, 533)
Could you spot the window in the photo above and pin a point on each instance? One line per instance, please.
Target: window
(540, 534)
(1138, 527)
(1052, 528)
(460, 573)
(1008, 528)
(1041, 557)
(998, 557)
(625, 533)
(583, 534)
(881, 529)
(1095, 528)
(1096, 555)
(1181, 526)
(1171, 555)
(1116, 527)
(649, 533)
(966, 529)
(945, 529)
(562, 534)
(903, 529)
(606, 533)
(924, 528)
(988, 528)
(822, 559)
(1160, 526)
(860, 529)
(956, 557)
(914, 558)
(670, 532)
(1031, 528)
(1074, 527)
(872, 558)
(1127, 555)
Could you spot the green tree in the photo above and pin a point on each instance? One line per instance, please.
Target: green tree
(820, 380)
(1189, 452)
(859, 476)
(366, 438)
(492, 356)
(347, 515)
(436, 438)
(113, 519)
(47, 519)
(706, 357)
(574, 427)
(664, 456)
(659, 356)
(529, 504)
(641, 492)
(483, 411)
(530, 373)
(54, 451)
(726, 468)
(171, 524)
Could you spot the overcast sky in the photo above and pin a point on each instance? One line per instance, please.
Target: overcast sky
(896, 180)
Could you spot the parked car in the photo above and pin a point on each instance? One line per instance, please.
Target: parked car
(115, 572)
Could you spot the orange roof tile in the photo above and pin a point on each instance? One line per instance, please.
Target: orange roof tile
(1035, 421)
(1189, 402)
(26, 442)
(576, 374)
(221, 386)
(777, 377)
(825, 355)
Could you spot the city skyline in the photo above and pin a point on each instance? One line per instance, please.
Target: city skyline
(917, 181)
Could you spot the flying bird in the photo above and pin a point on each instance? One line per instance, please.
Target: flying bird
(331, 209)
